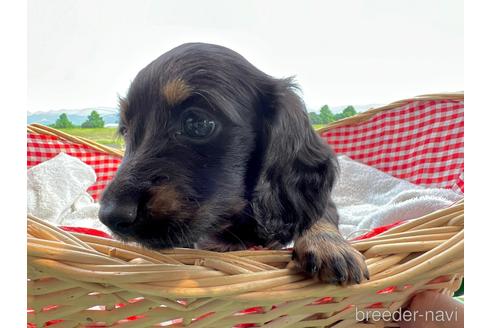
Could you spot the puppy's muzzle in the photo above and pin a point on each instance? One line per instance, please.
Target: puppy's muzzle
(121, 200)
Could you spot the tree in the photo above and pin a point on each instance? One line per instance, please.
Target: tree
(325, 114)
(94, 120)
(63, 122)
(339, 116)
(349, 111)
(314, 118)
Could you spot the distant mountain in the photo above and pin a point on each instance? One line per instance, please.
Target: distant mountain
(111, 115)
(339, 109)
(77, 116)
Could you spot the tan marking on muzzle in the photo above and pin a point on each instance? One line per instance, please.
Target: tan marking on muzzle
(176, 91)
(165, 200)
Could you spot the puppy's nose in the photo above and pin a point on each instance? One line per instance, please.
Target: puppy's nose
(118, 215)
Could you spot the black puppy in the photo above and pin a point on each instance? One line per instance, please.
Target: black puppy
(222, 156)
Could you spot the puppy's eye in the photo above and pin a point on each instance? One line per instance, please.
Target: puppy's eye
(198, 125)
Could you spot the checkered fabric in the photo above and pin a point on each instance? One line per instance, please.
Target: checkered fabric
(43, 147)
(421, 142)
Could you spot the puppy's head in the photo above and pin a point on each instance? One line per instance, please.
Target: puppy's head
(207, 135)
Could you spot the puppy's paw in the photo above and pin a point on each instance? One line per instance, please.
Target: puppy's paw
(329, 258)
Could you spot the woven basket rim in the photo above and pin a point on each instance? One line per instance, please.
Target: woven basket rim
(38, 128)
(48, 255)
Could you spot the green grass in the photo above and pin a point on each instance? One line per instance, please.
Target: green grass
(318, 126)
(104, 136)
(108, 136)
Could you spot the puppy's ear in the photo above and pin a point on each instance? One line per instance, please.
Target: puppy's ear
(298, 169)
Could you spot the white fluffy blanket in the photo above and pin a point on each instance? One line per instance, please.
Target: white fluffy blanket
(57, 192)
(365, 197)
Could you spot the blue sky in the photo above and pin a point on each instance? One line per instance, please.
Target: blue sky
(83, 53)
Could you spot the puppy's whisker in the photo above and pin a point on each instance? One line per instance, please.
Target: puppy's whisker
(236, 237)
(255, 219)
(194, 200)
(184, 235)
(203, 97)
(190, 233)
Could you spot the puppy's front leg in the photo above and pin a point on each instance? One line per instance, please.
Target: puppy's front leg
(324, 254)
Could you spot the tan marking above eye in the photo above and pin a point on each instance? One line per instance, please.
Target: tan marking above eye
(175, 91)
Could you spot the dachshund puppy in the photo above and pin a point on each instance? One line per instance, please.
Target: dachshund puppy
(221, 156)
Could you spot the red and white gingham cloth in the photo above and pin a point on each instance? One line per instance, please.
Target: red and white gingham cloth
(43, 147)
(421, 142)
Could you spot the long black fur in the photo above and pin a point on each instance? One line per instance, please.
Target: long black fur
(262, 180)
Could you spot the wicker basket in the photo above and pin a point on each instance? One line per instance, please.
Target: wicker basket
(79, 280)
